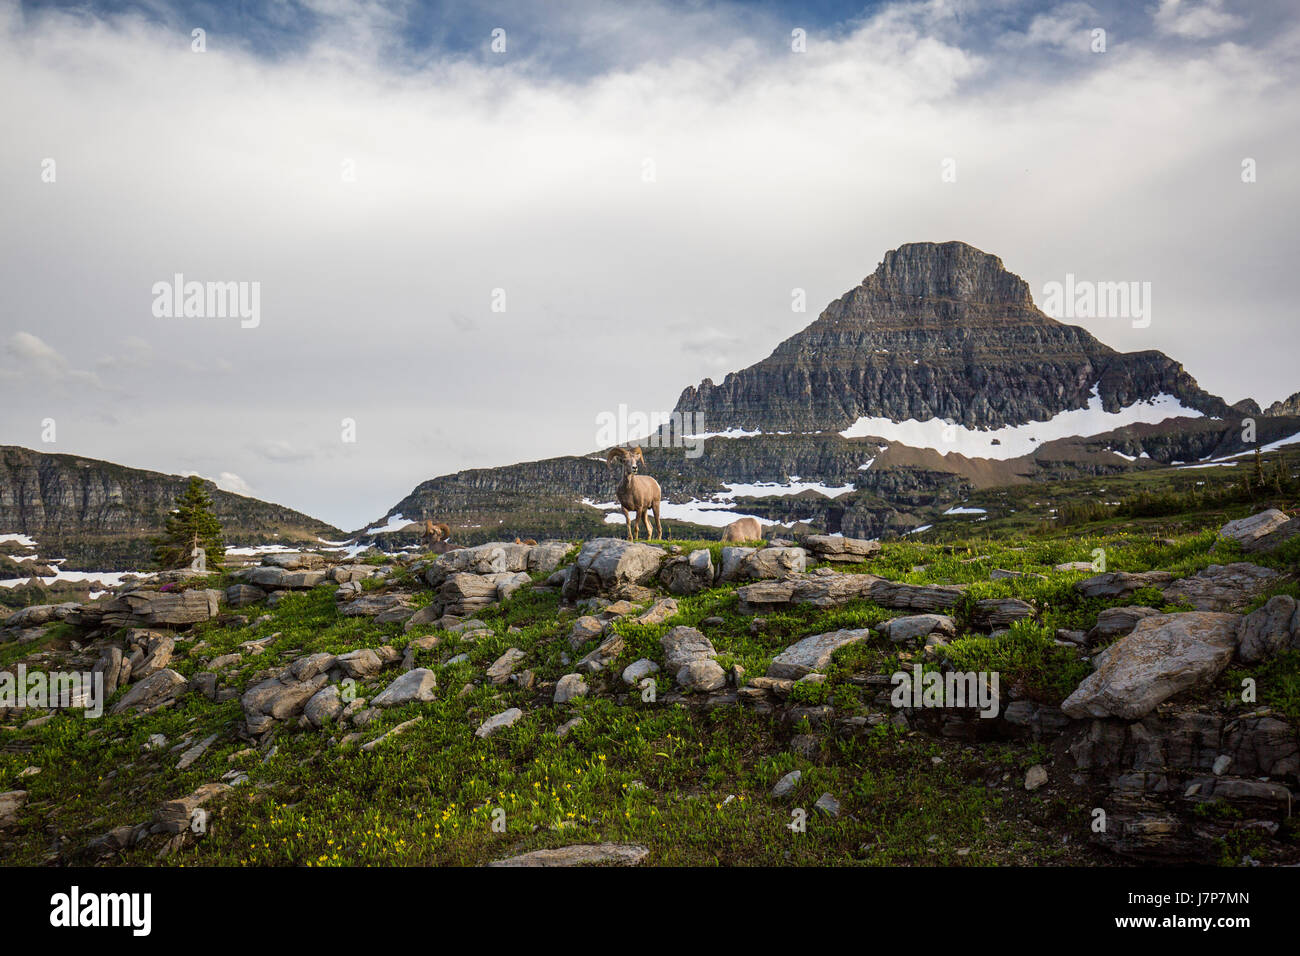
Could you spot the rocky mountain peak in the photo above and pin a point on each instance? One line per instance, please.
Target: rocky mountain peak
(947, 270)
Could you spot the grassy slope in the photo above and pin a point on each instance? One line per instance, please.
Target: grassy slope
(657, 774)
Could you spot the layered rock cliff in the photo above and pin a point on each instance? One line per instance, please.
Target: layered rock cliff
(937, 331)
(100, 515)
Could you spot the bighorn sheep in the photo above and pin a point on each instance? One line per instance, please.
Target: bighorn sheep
(525, 541)
(434, 533)
(637, 494)
(743, 529)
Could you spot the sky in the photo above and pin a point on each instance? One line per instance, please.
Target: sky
(469, 229)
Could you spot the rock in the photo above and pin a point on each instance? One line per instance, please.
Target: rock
(426, 615)
(504, 665)
(585, 628)
(604, 564)
(1246, 531)
(242, 595)
(916, 626)
(658, 612)
(564, 728)
(324, 706)
(277, 699)
(568, 687)
(1119, 584)
(418, 684)
(702, 675)
(304, 668)
(583, 854)
(1117, 621)
(1275, 538)
(384, 608)
(787, 784)
(834, 548)
(602, 656)
(175, 816)
(828, 805)
(10, 803)
(812, 653)
(401, 728)
(110, 665)
(153, 653)
(360, 664)
(465, 593)
(637, 671)
(1164, 655)
(999, 612)
(1223, 587)
(1035, 777)
(772, 563)
(684, 645)
(1076, 566)
(149, 609)
(152, 692)
(1268, 630)
(836, 589)
(39, 614)
(545, 556)
(1000, 574)
(732, 557)
(497, 722)
(294, 560)
(191, 755)
(688, 574)
(269, 578)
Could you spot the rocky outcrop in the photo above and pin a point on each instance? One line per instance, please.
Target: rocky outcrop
(605, 564)
(1163, 656)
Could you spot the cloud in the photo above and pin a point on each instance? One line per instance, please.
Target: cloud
(774, 170)
(1195, 19)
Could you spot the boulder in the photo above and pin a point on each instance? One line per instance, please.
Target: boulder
(999, 612)
(1117, 621)
(175, 816)
(152, 692)
(360, 664)
(1246, 531)
(295, 560)
(682, 646)
(1275, 538)
(1222, 587)
(688, 574)
(1119, 584)
(812, 653)
(701, 675)
(658, 612)
(384, 608)
(11, 801)
(637, 671)
(732, 557)
(829, 547)
(568, 687)
(498, 721)
(277, 698)
(110, 665)
(324, 706)
(602, 656)
(585, 628)
(1268, 630)
(418, 684)
(916, 626)
(153, 651)
(39, 614)
(767, 564)
(500, 670)
(835, 589)
(1163, 656)
(545, 556)
(304, 668)
(605, 564)
(242, 595)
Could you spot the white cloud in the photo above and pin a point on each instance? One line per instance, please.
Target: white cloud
(1195, 19)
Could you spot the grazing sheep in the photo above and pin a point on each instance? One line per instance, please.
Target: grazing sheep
(636, 494)
(743, 529)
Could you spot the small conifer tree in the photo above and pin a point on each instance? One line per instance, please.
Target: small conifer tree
(191, 525)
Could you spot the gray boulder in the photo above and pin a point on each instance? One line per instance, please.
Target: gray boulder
(812, 653)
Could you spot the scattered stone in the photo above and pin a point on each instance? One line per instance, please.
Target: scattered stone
(684, 645)
(1246, 531)
(834, 548)
(568, 687)
(1222, 587)
(812, 653)
(912, 627)
(1117, 621)
(637, 671)
(568, 725)
(828, 805)
(585, 628)
(419, 684)
(504, 665)
(10, 803)
(1120, 584)
(584, 854)
(497, 722)
(194, 753)
(787, 784)
(701, 675)
(395, 731)
(1268, 630)
(1035, 777)
(152, 692)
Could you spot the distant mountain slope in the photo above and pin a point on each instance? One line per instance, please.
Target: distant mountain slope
(99, 515)
(938, 331)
